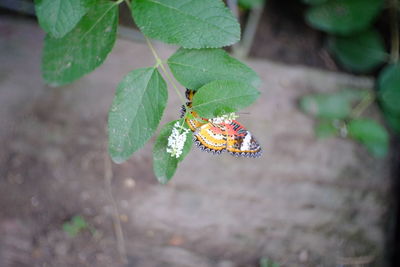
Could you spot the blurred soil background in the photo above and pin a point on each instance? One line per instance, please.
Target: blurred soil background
(305, 202)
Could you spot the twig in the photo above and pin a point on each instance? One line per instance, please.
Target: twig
(160, 63)
(233, 6)
(108, 175)
(362, 106)
(362, 260)
(394, 28)
(243, 48)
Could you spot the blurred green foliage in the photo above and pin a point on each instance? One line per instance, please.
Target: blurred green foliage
(389, 88)
(331, 106)
(339, 113)
(265, 262)
(326, 128)
(371, 134)
(248, 4)
(358, 47)
(314, 2)
(360, 52)
(75, 225)
(343, 17)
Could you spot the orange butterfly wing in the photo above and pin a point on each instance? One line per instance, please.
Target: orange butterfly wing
(219, 137)
(211, 138)
(240, 142)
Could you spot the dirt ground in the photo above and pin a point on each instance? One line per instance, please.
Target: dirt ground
(305, 202)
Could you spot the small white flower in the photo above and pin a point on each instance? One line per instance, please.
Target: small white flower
(227, 118)
(176, 140)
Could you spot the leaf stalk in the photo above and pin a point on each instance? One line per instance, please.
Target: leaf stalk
(159, 63)
(363, 105)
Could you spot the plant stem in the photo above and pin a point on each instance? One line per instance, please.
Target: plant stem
(160, 63)
(108, 176)
(233, 6)
(242, 49)
(394, 28)
(362, 106)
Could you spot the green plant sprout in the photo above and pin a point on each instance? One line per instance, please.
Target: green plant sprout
(76, 225)
(265, 262)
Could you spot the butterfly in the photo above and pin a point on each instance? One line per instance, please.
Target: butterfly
(219, 135)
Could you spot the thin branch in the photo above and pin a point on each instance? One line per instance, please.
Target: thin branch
(356, 261)
(394, 28)
(166, 73)
(242, 49)
(108, 175)
(362, 106)
(233, 6)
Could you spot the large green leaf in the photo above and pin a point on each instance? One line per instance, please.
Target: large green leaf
(58, 17)
(344, 16)
(371, 134)
(164, 164)
(333, 105)
(389, 88)
(359, 52)
(220, 97)
(194, 68)
(188, 23)
(136, 112)
(84, 48)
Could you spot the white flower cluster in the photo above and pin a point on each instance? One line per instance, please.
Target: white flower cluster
(176, 140)
(227, 118)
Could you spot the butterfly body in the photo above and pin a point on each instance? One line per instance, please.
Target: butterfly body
(218, 135)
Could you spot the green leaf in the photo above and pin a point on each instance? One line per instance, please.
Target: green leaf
(331, 106)
(325, 129)
(393, 121)
(314, 2)
(58, 17)
(220, 97)
(84, 48)
(249, 4)
(360, 52)
(194, 68)
(164, 164)
(188, 23)
(389, 88)
(344, 16)
(371, 134)
(136, 111)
